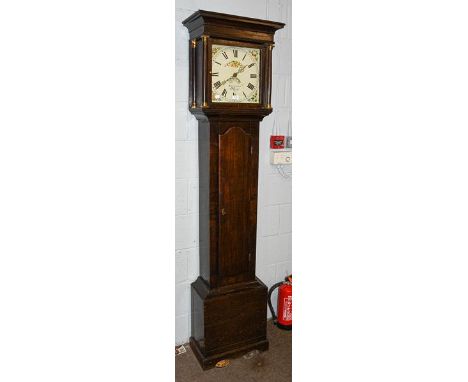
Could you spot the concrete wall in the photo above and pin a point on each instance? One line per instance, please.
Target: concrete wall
(274, 191)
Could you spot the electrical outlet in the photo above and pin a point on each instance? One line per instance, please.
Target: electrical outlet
(281, 157)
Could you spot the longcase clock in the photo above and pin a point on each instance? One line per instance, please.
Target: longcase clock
(229, 94)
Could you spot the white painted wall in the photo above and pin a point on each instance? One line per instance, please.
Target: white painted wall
(274, 191)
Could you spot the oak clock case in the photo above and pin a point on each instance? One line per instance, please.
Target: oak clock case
(230, 76)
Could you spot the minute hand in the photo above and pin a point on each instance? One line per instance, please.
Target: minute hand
(226, 80)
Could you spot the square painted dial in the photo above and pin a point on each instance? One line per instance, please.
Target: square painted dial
(235, 73)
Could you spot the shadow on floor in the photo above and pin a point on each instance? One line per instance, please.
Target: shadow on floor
(272, 365)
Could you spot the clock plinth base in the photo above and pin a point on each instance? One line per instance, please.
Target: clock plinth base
(227, 321)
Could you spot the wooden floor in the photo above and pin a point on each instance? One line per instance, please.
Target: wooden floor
(272, 365)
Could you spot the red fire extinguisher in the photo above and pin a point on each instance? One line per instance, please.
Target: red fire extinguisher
(284, 318)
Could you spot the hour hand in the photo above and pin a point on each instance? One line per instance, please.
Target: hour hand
(241, 69)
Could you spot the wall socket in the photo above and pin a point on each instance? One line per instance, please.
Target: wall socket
(280, 157)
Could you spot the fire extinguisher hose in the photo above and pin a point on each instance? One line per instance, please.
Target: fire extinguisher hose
(273, 314)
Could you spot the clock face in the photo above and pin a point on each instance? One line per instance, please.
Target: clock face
(235, 73)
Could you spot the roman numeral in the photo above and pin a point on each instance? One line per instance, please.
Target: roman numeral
(225, 55)
(250, 86)
(235, 53)
(217, 62)
(245, 95)
(216, 74)
(252, 64)
(217, 84)
(224, 93)
(244, 56)
(253, 76)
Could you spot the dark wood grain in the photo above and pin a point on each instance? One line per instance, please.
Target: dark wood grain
(226, 322)
(228, 300)
(231, 26)
(207, 232)
(235, 148)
